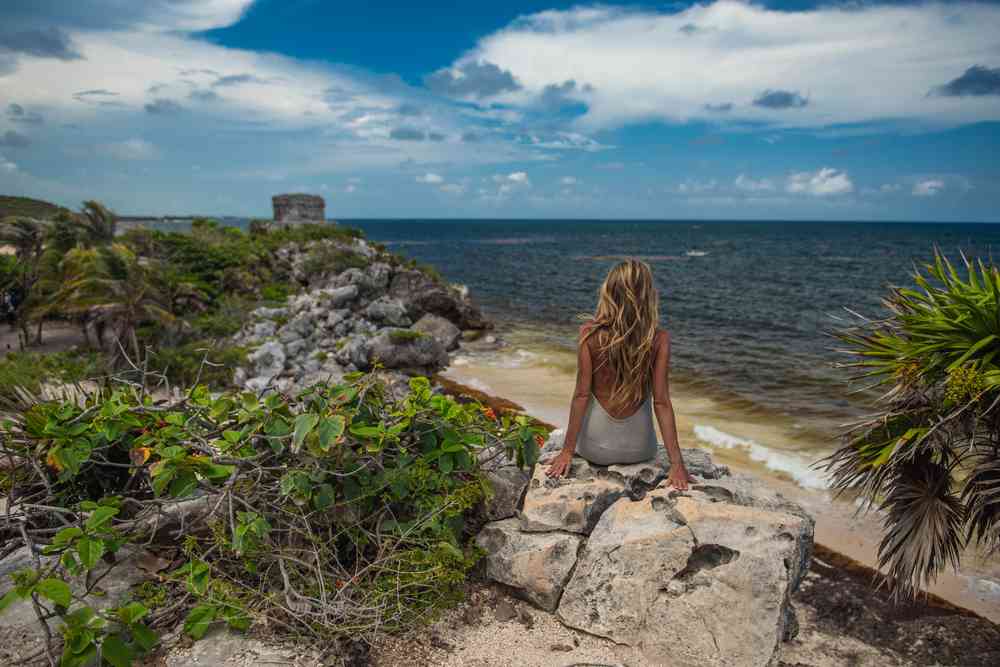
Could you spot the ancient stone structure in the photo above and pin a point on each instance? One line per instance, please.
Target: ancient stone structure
(294, 209)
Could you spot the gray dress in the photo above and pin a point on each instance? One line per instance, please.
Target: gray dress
(606, 440)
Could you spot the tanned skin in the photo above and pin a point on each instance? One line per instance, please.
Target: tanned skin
(662, 408)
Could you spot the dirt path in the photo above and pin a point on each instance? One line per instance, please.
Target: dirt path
(56, 337)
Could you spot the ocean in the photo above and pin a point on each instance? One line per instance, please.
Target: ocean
(750, 307)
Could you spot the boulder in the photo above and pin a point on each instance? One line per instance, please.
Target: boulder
(422, 295)
(387, 310)
(408, 351)
(535, 565)
(440, 328)
(267, 362)
(688, 578)
(508, 483)
(340, 296)
(573, 502)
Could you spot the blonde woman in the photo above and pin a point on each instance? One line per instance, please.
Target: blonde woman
(622, 380)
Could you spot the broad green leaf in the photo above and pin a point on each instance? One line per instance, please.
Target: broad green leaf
(117, 652)
(329, 430)
(199, 619)
(90, 551)
(100, 517)
(144, 637)
(132, 612)
(304, 424)
(56, 590)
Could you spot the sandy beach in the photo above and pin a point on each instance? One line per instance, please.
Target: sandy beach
(542, 382)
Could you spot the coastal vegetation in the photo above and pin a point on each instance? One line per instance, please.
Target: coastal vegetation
(929, 457)
(327, 515)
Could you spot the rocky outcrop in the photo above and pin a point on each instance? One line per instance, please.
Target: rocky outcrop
(298, 208)
(701, 577)
(373, 311)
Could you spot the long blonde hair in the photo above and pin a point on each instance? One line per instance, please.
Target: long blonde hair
(627, 315)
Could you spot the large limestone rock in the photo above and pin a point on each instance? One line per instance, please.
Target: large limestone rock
(421, 294)
(536, 565)
(440, 328)
(508, 483)
(408, 351)
(689, 579)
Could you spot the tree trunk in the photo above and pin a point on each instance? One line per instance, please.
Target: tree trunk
(38, 332)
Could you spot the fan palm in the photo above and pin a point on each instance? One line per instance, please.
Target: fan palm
(120, 300)
(98, 223)
(930, 456)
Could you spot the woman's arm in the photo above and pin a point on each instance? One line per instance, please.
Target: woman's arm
(664, 410)
(577, 407)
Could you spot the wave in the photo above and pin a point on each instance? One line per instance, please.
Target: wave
(645, 258)
(797, 467)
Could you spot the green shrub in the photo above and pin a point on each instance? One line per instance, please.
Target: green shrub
(346, 500)
(201, 361)
(326, 259)
(30, 370)
(400, 336)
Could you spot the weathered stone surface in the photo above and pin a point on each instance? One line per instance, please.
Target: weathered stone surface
(339, 296)
(573, 502)
(508, 484)
(396, 348)
(440, 328)
(689, 579)
(387, 310)
(298, 208)
(536, 565)
(422, 295)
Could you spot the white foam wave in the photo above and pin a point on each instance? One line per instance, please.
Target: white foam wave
(478, 384)
(797, 467)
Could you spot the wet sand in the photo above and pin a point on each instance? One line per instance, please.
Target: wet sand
(544, 389)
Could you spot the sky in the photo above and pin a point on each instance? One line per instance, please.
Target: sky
(725, 109)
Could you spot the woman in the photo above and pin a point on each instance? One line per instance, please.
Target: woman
(623, 360)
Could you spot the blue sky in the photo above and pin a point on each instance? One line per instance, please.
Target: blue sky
(715, 110)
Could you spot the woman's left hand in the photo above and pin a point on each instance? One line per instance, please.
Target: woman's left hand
(679, 477)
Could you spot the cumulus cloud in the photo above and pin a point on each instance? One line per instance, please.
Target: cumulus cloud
(780, 99)
(568, 180)
(130, 149)
(822, 183)
(40, 42)
(163, 107)
(473, 79)
(748, 184)
(407, 134)
(430, 178)
(236, 80)
(7, 165)
(644, 64)
(12, 139)
(928, 187)
(976, 81)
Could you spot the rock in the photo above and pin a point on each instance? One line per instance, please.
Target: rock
(688, 578)
(267, 362)
(408, 351)
(505, 611)
(355, 351)
(536, 565)
(422, 294)
(508, 484)
(387, 310)
(574, 502)
(340, 296)
(440, 328)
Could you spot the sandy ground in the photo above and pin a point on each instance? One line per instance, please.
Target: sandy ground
(544, 392)
(56, 337)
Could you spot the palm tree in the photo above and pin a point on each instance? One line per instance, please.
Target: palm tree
(98, 223)
(27, 237)
(114, 290)
(930, 456)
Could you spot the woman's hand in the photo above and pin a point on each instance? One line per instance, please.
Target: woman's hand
(679, 477)
(559, 466)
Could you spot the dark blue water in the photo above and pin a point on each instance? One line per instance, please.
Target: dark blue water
(749, 319)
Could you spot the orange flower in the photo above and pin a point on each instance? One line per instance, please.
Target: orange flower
(489, 413)
(539, 439)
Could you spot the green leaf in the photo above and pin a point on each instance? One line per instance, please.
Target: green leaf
(66, 535)
(56, 590)
(183, 484)
(99, 518)
(329, 430)
(8, 599)
(132, 612)
(445, 463)
(199, 619)
(304, 424)
(86, 656)
(144, 637)
(323, 497)
(117, 652)
(90, 551)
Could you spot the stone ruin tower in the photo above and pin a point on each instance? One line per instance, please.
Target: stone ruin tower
(297, 209)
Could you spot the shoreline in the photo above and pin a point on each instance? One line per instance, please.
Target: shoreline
(543, 392)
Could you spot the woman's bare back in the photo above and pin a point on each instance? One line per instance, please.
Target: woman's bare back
(603, 376)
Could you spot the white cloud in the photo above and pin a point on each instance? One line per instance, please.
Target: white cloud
(834, 64)
(928, 187)
(130, 149)
(351, 188)
(569, 180)
(453, 188)
(7, 165)
(515, 178)
(821, 183)
(430, 178)
(748, 184)
(690, 186)
(888, 188)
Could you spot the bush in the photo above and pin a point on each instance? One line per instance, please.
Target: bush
(930, 455)
(325, 259)
(336, 513)
(197, 362)
(30, 370)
